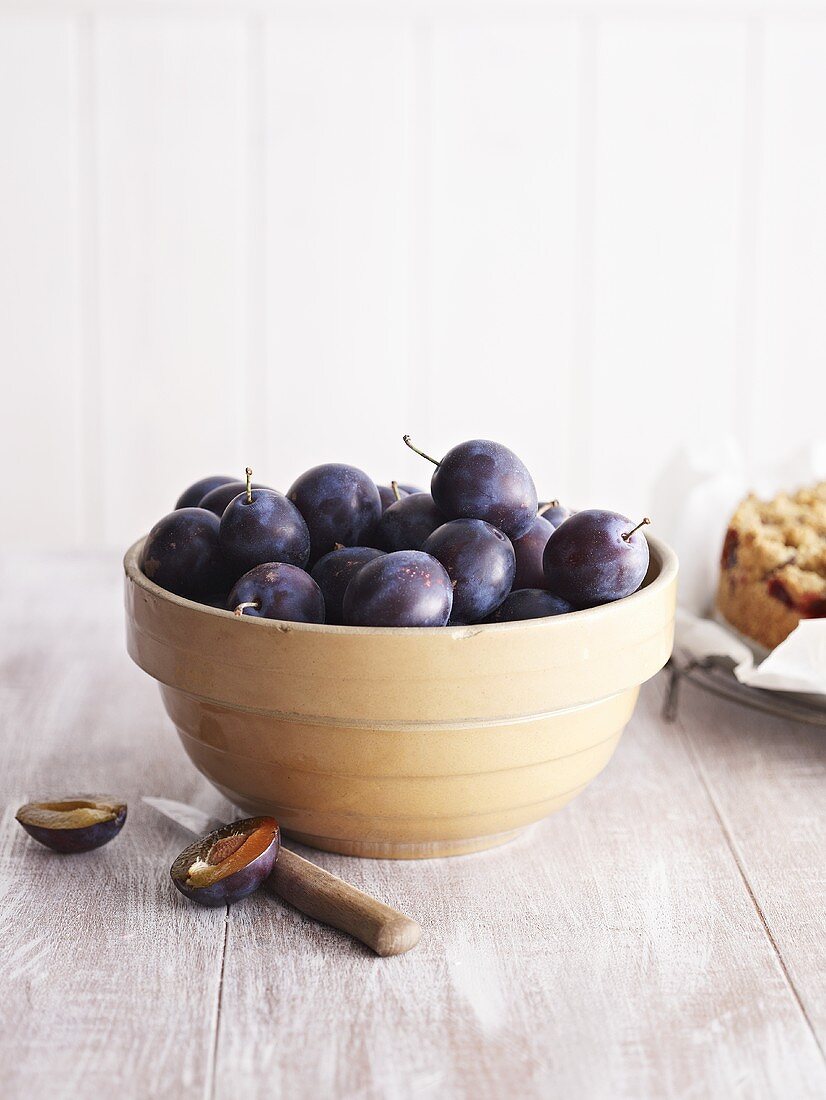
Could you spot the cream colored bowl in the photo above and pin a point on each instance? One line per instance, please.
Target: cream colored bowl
(401, 743)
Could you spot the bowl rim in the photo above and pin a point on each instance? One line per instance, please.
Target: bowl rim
(661, 554)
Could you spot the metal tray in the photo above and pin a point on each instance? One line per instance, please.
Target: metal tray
(716, 675)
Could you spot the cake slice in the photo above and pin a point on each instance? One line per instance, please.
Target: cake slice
(773, 565)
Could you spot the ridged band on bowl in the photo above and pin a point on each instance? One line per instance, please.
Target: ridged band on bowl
(400, 742)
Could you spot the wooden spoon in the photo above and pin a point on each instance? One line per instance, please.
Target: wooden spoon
(314, 891)
(331, 900)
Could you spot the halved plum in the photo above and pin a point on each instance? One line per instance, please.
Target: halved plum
(76, 824)
(228, 864)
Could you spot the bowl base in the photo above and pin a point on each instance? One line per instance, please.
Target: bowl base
(431, 849)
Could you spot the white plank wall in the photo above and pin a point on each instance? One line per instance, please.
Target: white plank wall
(503, 239)
(284, 233)
(791, 239)
(41, 415)
(338, 181)
(670, 110)
(171, 153)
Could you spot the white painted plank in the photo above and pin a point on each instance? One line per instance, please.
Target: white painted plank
(670, 124)
(171, 100)
(768, 781)
(387, 10)
(503, 240)
(110, 978)
(40, 414)
(337, 194)
(613, 953)
(788, 377)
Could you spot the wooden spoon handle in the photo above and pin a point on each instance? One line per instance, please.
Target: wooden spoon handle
(329, 899)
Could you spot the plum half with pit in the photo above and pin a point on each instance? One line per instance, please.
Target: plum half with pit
(339, 503)
(278, 591)
(596, 557)
(76, 824)
(480, 562)
(407, 588)
(228, 864)
(182, 554)
(333, 573)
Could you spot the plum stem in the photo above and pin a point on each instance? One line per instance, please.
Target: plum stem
(248, 472)
(241, 608)
(394, 485)
(627, 534)
(409, 443)
(546, 507)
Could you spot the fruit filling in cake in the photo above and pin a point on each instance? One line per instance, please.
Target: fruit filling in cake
(773, 565)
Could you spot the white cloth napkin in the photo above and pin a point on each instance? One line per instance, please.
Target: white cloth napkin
(715, 480)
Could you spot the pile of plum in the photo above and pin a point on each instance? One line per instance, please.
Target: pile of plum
(337, 548)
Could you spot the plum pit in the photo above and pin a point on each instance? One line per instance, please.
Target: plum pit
(228, 864)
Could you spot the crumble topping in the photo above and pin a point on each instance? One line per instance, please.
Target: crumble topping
(773, 564)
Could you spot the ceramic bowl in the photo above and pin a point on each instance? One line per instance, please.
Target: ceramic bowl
(401, 743)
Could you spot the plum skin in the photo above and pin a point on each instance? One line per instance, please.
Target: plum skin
(388, 497)
(235, 886)
(339, 503)
(554, 513)
(481, 479)
(217, 499)
(588, 562)
(281, 591)
(68, 841)
(333, 573)
(405, 588)
(182, 554)
(529, 550)
(192, 496)
(267, 528)
(529, 603)
(480, 562)
(406, 524)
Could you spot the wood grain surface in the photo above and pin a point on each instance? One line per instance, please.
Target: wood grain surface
(661, 937)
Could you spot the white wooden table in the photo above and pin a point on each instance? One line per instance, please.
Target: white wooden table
(664, 936)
